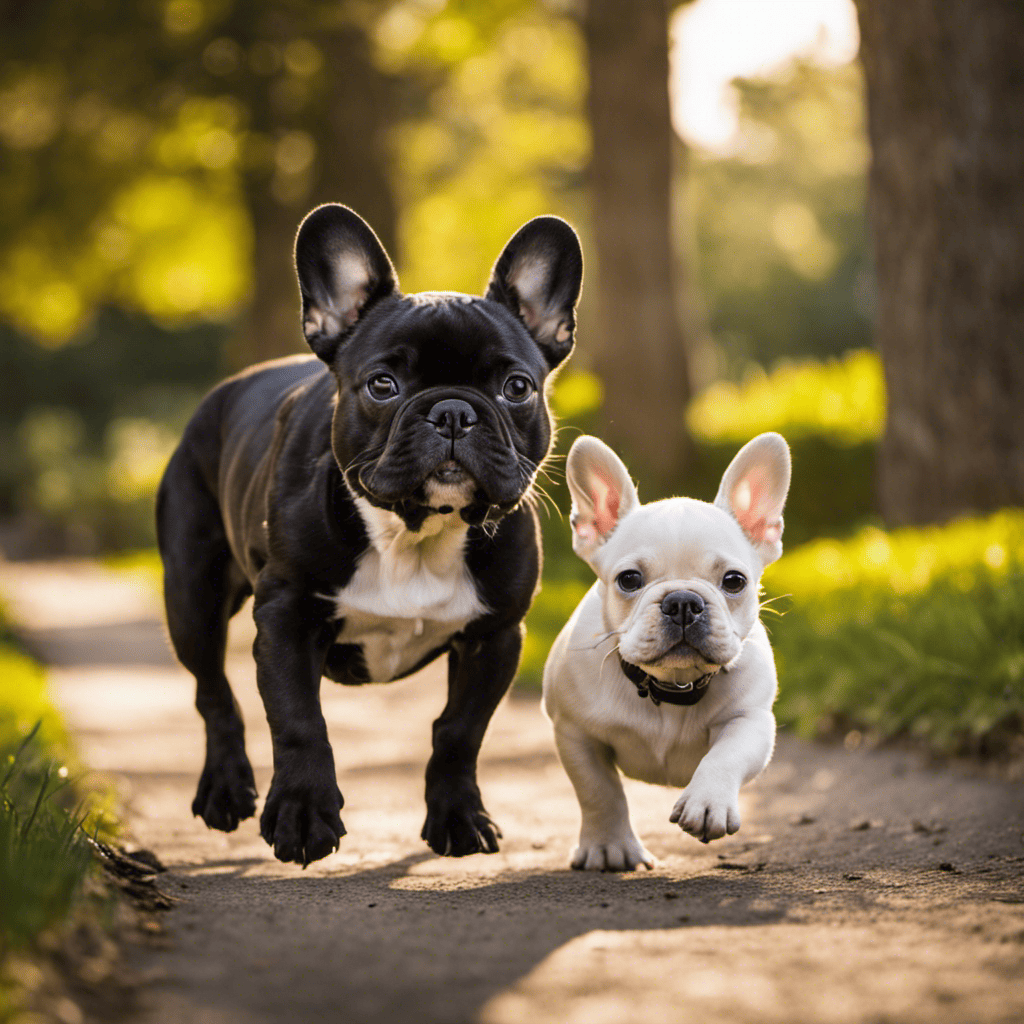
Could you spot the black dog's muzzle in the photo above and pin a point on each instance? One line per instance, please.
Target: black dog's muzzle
(448, 437)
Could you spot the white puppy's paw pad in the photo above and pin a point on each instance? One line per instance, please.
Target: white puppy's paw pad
(706, 815)
(626, 855)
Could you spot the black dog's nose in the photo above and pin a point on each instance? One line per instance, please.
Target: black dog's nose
(452, 418)
(682, 607)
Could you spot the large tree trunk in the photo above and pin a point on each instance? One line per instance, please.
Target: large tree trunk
(638, 344)
(347, 123)
(946, 119)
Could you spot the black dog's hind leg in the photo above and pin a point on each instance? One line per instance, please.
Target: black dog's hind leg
(202, 590)
(479, 674)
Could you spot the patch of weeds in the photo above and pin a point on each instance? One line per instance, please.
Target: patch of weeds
(44, 852)
(919, 632)
(55, 910)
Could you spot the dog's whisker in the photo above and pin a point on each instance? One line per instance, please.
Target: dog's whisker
(590, 647)
(549, 503)
(764, 605)
(614, 650)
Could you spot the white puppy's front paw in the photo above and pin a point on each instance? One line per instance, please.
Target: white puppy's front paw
(706, 813)
(612, 855)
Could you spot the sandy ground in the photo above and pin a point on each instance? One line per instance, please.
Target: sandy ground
(862, 887)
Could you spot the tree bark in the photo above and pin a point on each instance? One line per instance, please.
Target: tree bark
(638, 344)
(946, 120)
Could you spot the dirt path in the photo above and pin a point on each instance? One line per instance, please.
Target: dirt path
(862, 886)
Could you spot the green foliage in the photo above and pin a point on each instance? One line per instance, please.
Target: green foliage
(840, 399)
(779, 239)
(832, 414)
(79, 466)
(44, 854)
(917, 632)
(500, 138)
(121, 185)
(23, 699)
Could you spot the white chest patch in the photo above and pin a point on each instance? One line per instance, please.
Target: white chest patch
(410, 591)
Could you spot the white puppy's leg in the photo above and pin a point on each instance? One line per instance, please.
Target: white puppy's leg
(709, 806)
(607, 840)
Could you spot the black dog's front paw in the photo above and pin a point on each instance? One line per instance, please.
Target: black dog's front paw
(301, 819)
(227, 789)
(457, 824)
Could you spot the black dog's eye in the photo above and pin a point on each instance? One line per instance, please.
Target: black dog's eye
(382, 387)
(518, 388)
(733, 582)
(629, 581)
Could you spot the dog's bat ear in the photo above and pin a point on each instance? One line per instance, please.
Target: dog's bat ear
(602, 494)
(538, 276)
(343, 269)
(753, 491)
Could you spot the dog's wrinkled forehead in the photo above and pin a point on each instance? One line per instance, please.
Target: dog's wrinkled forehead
(680, 538)
(443, 338)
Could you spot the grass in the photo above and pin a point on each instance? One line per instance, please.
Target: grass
(842, 400)
(918, 632)
(44, 853)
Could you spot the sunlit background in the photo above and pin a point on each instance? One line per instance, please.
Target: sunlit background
(158, 157)
(142, 155)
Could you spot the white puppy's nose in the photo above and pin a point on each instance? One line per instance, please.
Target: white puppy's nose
(682, 606)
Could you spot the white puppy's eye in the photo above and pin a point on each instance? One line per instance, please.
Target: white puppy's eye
(733, 582)
(629, 581)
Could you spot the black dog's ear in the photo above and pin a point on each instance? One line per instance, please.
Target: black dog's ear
(342, 270)
(538, 276)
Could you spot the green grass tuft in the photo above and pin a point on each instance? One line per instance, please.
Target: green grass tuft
(44, 853)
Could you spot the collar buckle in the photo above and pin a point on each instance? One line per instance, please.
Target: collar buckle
(647, 686)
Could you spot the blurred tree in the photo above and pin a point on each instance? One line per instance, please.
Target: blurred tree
(491, 132)
(318, 110)
(779, 224)
(159, 156)
(155, 161)
(638, 342)
(946, 122)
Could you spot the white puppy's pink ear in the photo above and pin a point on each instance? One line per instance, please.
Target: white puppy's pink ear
(602, 493)
(753, 491)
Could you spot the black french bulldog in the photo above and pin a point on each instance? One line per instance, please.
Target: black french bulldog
(376, 501)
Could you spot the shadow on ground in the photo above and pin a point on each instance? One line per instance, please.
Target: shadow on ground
(390, 943)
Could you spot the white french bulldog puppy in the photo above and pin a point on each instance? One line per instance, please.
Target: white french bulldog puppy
(665, 669)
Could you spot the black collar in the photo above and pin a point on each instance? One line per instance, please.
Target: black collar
(647, 686)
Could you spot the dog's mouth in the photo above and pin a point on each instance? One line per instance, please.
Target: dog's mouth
(682, 656)
(450, 474)
(449, 488)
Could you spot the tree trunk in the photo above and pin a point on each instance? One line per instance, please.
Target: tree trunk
(346, 122)
(946, 120)
(638, 344)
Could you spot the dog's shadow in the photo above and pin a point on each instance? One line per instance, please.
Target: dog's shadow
(390, 943)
